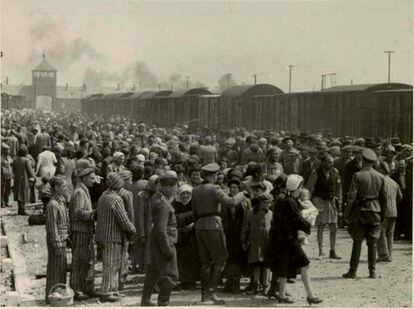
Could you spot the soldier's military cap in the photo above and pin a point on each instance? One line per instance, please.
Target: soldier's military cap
(168, 179)
(357, 149)
(347, 148)
(210, 168)
(369, 155)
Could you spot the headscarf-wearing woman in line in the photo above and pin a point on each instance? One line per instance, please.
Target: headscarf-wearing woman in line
(57, 231)
(187, 253)
(285, 255)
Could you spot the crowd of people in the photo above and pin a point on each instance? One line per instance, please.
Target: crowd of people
(185, 204)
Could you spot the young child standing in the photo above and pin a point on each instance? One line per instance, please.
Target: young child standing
(254, 236)
(309, 213)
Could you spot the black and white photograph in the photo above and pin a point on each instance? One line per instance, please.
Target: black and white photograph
(206, 153)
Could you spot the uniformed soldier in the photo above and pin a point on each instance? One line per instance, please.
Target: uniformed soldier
(211, 241)
(162, 264)
(365, 211)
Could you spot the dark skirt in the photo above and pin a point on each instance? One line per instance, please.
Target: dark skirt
(285, 256)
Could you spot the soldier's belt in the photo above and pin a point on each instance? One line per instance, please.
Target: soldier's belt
(214, 214)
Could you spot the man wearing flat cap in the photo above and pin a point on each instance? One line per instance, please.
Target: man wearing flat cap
(211, 241)
(310, 164)
(290, 157)
(162, 266)
(82, 218)
(365, 211)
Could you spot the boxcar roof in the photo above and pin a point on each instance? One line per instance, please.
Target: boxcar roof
(153, 94)
(368, 87)
(117, 95)
(92, 96)
(251, 90)
(189, 92)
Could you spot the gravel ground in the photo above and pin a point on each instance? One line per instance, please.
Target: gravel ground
(392, 288)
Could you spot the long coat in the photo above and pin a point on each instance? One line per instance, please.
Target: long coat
(22, 171)
(187, 252)
(284, 255)
(255, 232)
(163, 237)
(233, 218)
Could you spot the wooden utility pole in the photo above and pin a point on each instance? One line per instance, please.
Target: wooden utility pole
(290, 77)
(255, 78)
(323, 81)
(389, 52)
(187, 77)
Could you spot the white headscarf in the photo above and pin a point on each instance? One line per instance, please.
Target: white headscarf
(184, 188)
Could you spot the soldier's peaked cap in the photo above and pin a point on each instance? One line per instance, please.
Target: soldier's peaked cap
(369, 155)
(210, 168)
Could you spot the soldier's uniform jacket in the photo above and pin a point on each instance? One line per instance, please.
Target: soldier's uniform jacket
(57, 222)
(164, 231)
(206, 200)
(368, 187)
(80, 210)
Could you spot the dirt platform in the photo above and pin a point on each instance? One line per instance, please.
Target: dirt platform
(392, 288)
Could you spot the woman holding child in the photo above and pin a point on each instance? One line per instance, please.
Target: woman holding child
(285, 255)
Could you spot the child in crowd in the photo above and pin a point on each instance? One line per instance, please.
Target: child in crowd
(309, 213)
(255, 234)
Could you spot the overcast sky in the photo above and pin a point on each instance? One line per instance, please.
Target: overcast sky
(100, 40)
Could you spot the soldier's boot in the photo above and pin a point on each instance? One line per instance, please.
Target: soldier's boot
(355, 255)
(372, 256)
(165, 292)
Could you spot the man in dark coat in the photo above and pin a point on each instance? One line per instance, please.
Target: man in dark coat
(311, 164)
(365, 211)
(23, 176)
(207, 198)
(162, 265)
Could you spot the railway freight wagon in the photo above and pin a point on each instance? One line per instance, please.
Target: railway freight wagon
(359, 110)
(239, 105)
(178, 107)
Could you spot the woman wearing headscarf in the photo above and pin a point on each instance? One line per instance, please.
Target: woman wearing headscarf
(285, 256)
(188, 266)
(57, 231)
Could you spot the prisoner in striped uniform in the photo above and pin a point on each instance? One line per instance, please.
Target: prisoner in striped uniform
(57, 231)
(127, 198)
(113, 228)
(82, 218)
